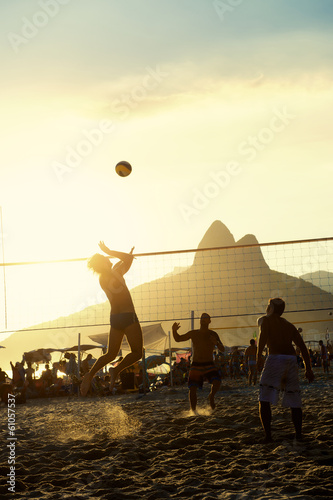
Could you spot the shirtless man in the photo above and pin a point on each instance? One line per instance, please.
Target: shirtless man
(251, 362)
(204, 342)
(280, 372)
(123, 318)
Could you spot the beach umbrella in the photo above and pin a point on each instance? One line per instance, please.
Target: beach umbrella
(153, 361)
(83, 347)
(39, 355)
(44, 355)
(177, 349)
(312, 344)
(163, 369)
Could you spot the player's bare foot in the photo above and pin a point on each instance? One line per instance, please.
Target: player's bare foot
(85, 385)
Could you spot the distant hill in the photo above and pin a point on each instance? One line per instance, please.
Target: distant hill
(60, 333)
(321, 279)
(232, 284)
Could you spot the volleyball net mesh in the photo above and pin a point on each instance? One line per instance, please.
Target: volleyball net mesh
(232, 284)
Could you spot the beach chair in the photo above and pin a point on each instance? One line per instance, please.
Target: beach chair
(128, 382)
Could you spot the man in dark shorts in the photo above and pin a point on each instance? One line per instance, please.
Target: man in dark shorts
(123, 318)
(204, 342)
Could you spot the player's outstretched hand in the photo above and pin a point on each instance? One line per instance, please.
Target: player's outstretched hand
(103, 247)
(175, 327)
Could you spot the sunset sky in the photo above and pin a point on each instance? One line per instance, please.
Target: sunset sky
(224, 110)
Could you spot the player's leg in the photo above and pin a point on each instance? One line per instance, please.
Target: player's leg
(193, 397)
(297, 417)
(115, 339)
(250, 375)
(265, 414)
(255, 375)
(216, 384)
(134, 338)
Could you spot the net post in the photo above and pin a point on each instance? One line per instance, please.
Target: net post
(170, 358)
(192, 328)
(78, 355)
(144, 373)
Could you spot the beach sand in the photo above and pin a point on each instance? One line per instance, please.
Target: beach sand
(153, 447)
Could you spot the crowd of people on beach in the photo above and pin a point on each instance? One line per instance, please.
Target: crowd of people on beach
(27, 385)
(239, 363)
(61, 378)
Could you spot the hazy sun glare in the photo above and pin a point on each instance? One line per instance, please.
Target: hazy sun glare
(253, 89)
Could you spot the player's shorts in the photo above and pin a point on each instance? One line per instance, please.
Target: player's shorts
(280, 375)
(201, 371)
(121, 321)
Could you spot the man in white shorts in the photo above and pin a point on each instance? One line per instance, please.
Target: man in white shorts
(280, 373)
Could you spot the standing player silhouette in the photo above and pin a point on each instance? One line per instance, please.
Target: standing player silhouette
(204, 342)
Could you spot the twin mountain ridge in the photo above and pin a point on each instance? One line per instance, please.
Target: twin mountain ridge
(232, 284)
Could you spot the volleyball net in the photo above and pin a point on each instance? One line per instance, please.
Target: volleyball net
(232, 284)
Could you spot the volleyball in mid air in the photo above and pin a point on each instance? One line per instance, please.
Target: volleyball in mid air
(123, 168)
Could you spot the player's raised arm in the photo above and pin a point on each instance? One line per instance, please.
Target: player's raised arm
(126, 259)
(113, 253)
(177, 337)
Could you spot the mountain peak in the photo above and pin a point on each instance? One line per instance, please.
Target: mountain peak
(248, 239)
(217, 235)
